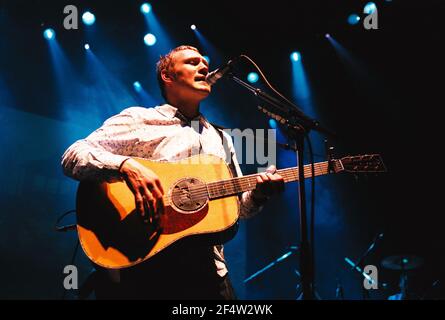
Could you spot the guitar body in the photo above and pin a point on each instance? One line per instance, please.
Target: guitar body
(114, 236)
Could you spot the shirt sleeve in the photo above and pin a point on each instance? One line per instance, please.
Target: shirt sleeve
(100, 155)
(249, 207)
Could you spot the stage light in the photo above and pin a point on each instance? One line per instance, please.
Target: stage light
(88, 18)
(137, 86)
(206, 59)
(49, 34)
(353, 19)
(193, 27)
(327, 35)
(86, 46)
(252, 77)
(295, 56)
(150, 39)
(273, 123)
(145, 8)
(369, 8)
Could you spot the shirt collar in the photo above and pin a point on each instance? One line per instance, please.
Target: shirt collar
(172, 112)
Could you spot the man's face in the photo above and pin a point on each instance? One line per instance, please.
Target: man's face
(188, 74)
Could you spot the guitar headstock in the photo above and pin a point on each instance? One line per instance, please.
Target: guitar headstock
(367, 163)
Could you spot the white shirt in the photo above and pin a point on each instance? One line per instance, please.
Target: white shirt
(159, 134)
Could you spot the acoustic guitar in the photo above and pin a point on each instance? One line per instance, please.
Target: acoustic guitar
(200, 202)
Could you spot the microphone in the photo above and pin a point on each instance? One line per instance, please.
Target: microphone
(214, 76)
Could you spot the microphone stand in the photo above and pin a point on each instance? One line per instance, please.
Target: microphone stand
(358, 264)
(297, 125)
(292, 249)
(363, 273)
(368, 251)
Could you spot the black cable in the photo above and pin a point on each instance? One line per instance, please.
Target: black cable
(312, 225)
(265, 79)
(65, 227)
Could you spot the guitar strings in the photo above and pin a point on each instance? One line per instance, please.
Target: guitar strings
(283, 172)
(243, 182)
(202, 190)
(237, 184)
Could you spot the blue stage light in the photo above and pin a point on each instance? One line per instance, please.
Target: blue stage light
(88, 18)
(150, 39)
(295, 56)
(369, 8)
(137, 86)
(86, 46)
(146, 8)
(273, 123)
(252, 77)
(327, 35)
(353, 19)
(49, 34)
(193, 27)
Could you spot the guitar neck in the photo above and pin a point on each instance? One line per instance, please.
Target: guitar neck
(230, 187)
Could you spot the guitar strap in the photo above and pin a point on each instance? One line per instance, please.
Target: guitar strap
(220, 129)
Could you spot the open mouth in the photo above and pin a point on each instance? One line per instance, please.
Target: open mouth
(201, 78)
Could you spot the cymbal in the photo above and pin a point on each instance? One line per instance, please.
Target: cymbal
(405, 262)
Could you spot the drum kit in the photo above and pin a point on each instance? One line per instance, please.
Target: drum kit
(400, 263)
(404, 264)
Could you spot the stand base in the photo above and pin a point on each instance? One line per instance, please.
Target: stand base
(316, 295)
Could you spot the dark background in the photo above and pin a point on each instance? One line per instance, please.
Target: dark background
(388, 101)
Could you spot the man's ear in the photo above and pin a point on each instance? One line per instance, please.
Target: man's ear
(166, 76)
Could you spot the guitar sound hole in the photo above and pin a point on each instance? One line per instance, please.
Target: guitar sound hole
(189, 194)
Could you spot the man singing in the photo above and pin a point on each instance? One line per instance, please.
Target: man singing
(165, 133)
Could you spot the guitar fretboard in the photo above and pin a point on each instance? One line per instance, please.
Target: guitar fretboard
(225, 188)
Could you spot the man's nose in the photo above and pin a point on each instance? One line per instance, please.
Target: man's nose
(203, 69)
